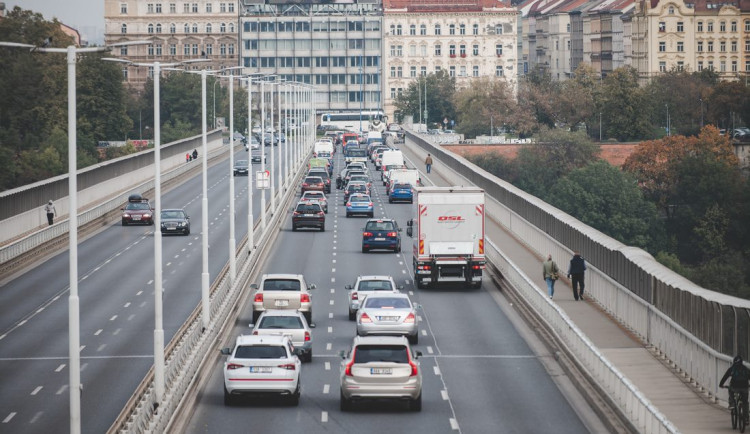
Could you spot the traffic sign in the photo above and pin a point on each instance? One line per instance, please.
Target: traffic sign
(263, 180)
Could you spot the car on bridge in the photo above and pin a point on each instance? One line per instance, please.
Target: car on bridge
(313, 183)
(241, 167)
(282, 291)
(389, 314)
(288, 323)
(137, 211)
(174, 221)
(309, 215)
(366, 285)
(316, 196)
(261, 365)
(380, 367)
(359, 203)
(381, 234)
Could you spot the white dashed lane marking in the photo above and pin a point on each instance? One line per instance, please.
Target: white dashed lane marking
(38, 388)
(9, 417)
(60, 368)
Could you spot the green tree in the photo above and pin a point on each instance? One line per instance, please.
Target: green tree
(489, 101)
(729, 104)
(575, 101)
(609, 200)
(441, 88)
(623, 107)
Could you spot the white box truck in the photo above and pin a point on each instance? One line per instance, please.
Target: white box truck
(448, 234)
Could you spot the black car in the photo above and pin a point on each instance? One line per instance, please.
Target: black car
(257, 155)
(308, 215)
(355, 187)
(175, 221)
(241, 168)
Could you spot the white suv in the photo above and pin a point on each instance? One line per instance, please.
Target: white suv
(282, 291)
(366, 285)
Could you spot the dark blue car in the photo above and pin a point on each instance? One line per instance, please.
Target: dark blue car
(401, 192)
(381, 234)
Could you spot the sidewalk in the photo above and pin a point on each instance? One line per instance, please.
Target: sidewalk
(684, 407)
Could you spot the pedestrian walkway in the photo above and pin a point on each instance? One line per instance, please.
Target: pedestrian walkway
(682, 405)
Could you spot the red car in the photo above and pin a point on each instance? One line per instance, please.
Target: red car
(137, 211)
(313, 183)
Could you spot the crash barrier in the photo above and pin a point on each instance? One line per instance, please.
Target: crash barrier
(644, 416)
(109, 187)
(697, 329)
(21, 209)
(192, 345)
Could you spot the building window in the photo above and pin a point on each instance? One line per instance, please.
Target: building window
(186, 8)
(209, 29)
(158, 8)
(398, 30)
(422, 30)
(186, 50)
(462, 50)
(475, 29)
(123, 8)
(222, 28)
(231, 52)
(734, 46)
(124, 29)
(680, 65)
(710, 46)
(452, 71)
(195, 28)
(172, 28)
(700, 66)
(498, 29)
(413, 30)
(662, 47)
(671, 10)
(567, 27)
(475, 50)
(393, 71)
(710, 65)
(438, 49)
(124, 50)
(662, 26)
(498, 71)
(722, 66)
(158, 28)
(723, 47)
(747, 66)
(209, 49)
(747, 45)
(662, 66)
(393, 93)
(680, 26)
(413, 71)
(412, 50)
(423, 50)
(462, 29)
(452, 50)
(173, 8)
(733, 26)
(195, 8)
(209, 7)
(499, 50)
(230, 7)
(437, 29)
(700, 46)
(452, 29)
(700, 26)
(231, 27)
(187, 28)
(722, 26)
(734, 66)
(151, 28)
(393, 29)
(423, 71)
(150, 8)
(172, 49)
(568, 44)
(158, 50)
(747, 26)
(437, 69)
(680, 47)
(195, 50)
(710, 26)
(399, 72)
(475, 71)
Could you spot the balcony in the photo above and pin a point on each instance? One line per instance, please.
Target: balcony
(452, 56)
(463, 55)
(499, 55)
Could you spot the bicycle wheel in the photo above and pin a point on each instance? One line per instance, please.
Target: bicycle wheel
(741, 415)
(733, 411)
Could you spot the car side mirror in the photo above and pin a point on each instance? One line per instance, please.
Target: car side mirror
(400, 287)
(418, 354)
(312, 286)
(409, 231)
(122, 209)
(348, 287)
(399, 229)
(226, 351)
(342, 354)
(410, 222)
(253, 286)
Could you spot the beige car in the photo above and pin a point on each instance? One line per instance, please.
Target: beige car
(381, 368)
(282, 291)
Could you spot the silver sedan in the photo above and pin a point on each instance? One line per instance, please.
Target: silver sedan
(366, 285)
(388, 314)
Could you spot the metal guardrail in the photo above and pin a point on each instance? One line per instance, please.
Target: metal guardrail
(636, 407)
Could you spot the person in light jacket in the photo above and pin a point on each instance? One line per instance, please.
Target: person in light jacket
(575, 272)
(550, 274)
(51, 211)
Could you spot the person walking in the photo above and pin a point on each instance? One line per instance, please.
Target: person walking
(575, 272)
(550, 274)
(187, 157)
(739, 382)
(51, 211)
(428, 163)
(195, 154)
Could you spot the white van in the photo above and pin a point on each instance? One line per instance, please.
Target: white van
(323, 146)
(391, 157)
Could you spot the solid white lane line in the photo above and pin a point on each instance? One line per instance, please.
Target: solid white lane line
(326, 388)
(98, 332)
(38, 388)
(60, 368)
(436, 369)
(444, 394)
(9, 417)
(324, 417)
(40, 309)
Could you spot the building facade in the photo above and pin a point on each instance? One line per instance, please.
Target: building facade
(178, 31)
(334, 45)
(467, 39)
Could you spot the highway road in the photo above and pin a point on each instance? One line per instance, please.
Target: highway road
(483, 369)
(116, 269)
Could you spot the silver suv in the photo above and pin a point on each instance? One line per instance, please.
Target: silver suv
(282, 291)
(366, 285)
(381, 367)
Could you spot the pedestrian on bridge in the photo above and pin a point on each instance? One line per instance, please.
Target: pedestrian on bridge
(195, 154)
(550, 272)
(576, 268)
(428, 163)
(51, 211)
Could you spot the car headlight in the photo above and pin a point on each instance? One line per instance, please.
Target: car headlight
(181, 224)
(126, 215)
(146, 215)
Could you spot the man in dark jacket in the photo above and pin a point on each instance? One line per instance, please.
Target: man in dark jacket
(740, 378)
(575, 272)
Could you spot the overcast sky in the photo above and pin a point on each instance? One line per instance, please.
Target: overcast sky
(86, 16)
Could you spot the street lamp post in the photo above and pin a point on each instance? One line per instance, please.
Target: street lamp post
(214, 95)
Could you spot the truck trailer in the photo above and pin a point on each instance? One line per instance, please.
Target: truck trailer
(448, 234)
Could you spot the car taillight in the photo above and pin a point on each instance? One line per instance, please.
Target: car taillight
(307, 336)
(369, 204)
(304, 298)
(258, 298)
(296, 213)
(255, 332)
(409, 318)
(348, 367)
(233, 366)
(366, 234)
(321, 214)
(304, 184)
(348, 204)
(475, 267)
(391, 234)
(364, 318)
(423, 267)
(414, 370)
(291, 367)
(355, 296)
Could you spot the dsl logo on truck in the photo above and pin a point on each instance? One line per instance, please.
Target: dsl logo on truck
(455, 219)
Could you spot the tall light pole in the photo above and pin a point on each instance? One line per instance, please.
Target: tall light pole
(361, 92)
(74, 320)
(214, 95)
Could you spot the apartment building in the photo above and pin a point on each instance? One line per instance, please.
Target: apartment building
(177, 30)
(334, 45)
(466, 38)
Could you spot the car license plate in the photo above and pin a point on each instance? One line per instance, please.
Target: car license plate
(379, 239)
(387, 318)
(308, 215)
(260, 369)
(136, 217)
(171, 229)
(281, 303)
(381, 371)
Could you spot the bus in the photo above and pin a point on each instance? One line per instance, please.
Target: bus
(350, 121)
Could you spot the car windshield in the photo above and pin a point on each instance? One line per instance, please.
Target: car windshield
(356, 152)
(387, 303)
(357, 187)
(241, 163)
(320, 173)
(402, 186)
(314, 195)
(313, 180)
(172, 215)
(308, 208)
(375, 285)
(379, 226)
(136, 205)
(358, 178)
(381, 353)
(260, 352)
(281, 284)
(361, 198)
(280, 322)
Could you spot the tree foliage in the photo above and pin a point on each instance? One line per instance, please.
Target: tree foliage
(440, 89)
